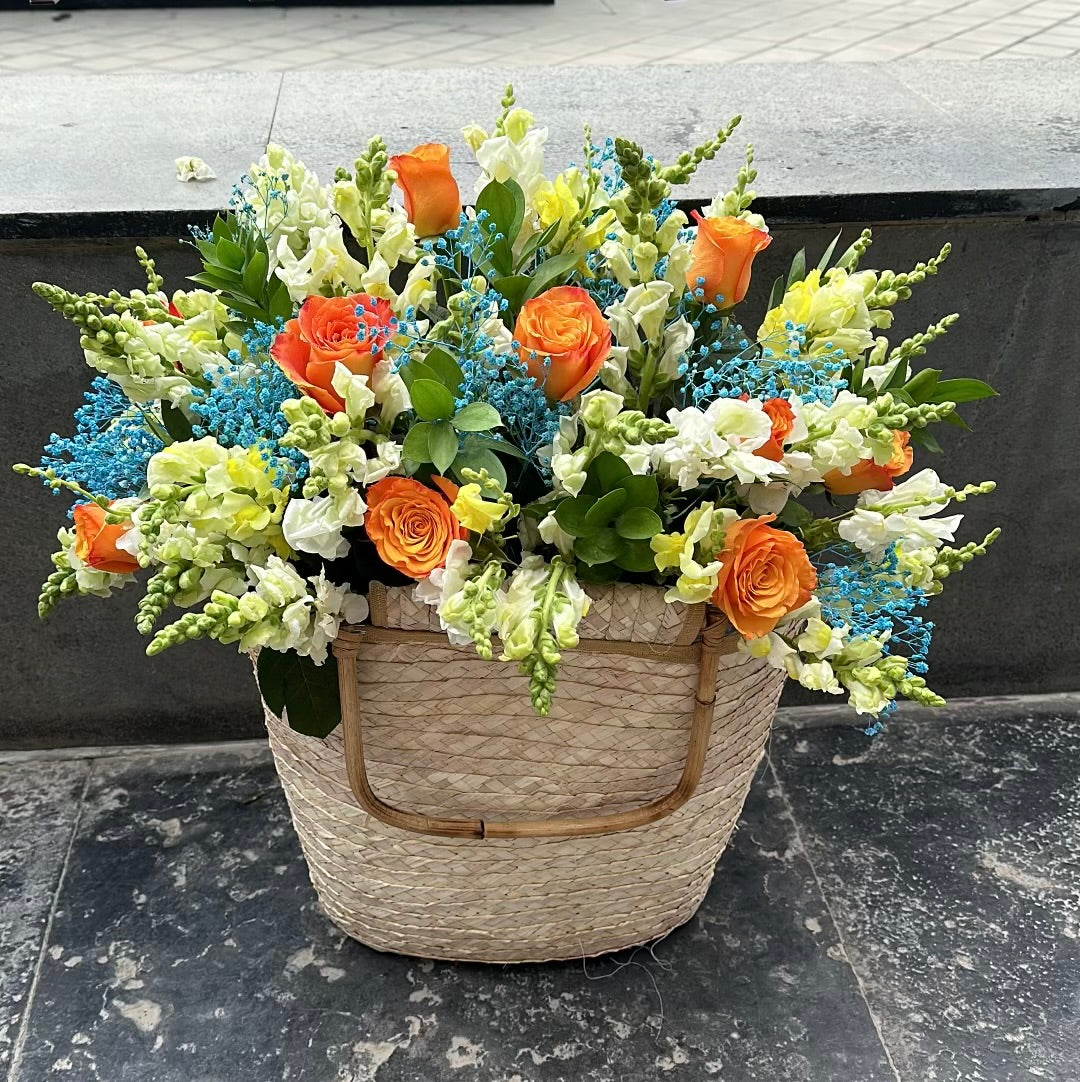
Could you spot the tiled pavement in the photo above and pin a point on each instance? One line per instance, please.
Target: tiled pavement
(592, 32)
(905, 909)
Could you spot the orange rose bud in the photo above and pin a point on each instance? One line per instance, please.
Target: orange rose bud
(723, 252)
(411, 525)
(782, 416)
(867, 474)
(563, 339)
(432, 199)
(764, 574)
(95, 540)
(329, 330)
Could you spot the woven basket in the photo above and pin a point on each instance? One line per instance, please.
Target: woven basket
(444, 819)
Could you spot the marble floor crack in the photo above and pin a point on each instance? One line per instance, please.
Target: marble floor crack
(46, 934)
(874, 1021)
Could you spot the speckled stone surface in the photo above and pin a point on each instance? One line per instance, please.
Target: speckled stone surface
(188, 945)
(951, 859)
(902, 910)
(39, 803)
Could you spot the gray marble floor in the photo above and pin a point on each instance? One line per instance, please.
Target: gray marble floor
(903, 908)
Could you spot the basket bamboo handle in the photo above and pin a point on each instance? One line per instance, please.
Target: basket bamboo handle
(562, 827)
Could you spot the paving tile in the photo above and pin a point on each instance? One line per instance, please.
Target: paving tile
(188, 945)
(950, 856)
(39, 803)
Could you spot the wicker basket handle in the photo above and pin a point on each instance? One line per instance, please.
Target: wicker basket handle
(563, 827)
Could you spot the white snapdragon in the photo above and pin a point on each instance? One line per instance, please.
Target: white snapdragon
(315, 525)
(717, 442)
(324, 266)
(516, 155)
(902, 515)
(444, 583)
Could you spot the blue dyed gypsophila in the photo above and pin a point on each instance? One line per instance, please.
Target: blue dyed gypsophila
(872, 599)
(243, 409)
(113, 441)
(733, 366)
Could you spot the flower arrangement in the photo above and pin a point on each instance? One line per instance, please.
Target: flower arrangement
(503, 405)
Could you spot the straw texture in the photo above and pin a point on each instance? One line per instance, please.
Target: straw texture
(448, 734)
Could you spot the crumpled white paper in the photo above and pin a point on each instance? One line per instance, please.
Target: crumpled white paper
(193, 169)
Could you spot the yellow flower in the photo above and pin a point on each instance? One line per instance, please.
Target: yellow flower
(474, 512)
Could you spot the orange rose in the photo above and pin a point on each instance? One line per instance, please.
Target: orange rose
(95, 540)
(326, 331)
(867, 474)
(723, 252)
(563, 340)
(432, 200)
(764, 574)
(782, 416)
(411, 526)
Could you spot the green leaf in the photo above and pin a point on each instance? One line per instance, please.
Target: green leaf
(798, 268)
(957, 421)
(637, 556)
(823, 263)
(442, 445)
(794, 515)
(921, 385)
(924, 438)
(281, 305)
(415, 370)
(176, 424)
(505, 206)
(641, 490)
(961, 390)
(416, 446)
(537, 241)
(255, 275)
(431, 400)
(600, 575)
(229, 253)
(492, 444)
(607, 470)
(549, 270)
(571, 515)
(606, 508)
(776, 294)
(306, 692)
(638, 524)
(602, 547)
(512, 287)
(477, 417)
(477, 458)
(445, 368)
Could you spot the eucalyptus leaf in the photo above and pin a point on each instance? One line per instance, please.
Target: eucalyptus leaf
(571, 515)
(637, 556)
(606, 508)
(641, 490)
(638, 524)
(608, 469)
(601, 547)
(415, 370)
